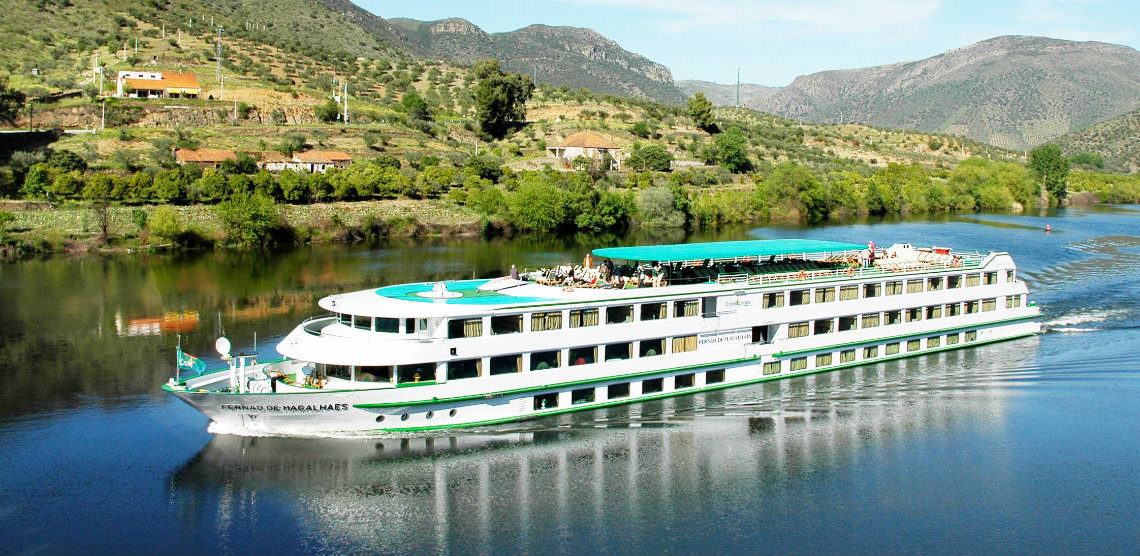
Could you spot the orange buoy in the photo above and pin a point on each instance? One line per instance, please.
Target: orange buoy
(1048, 228)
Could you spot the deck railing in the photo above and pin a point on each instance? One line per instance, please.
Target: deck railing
(955, 260)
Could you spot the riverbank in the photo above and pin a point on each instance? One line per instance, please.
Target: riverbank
(77, 227)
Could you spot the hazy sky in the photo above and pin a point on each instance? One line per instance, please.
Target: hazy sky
(773, 41)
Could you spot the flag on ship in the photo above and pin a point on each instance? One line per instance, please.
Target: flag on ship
(188, 362)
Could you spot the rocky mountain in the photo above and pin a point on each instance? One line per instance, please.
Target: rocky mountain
(1117, 140)
(1014, 92)
(751, 95)
(567, 56)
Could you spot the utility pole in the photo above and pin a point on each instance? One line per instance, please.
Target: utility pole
(103, 117)
(218, 55)
(738, 86)
(136, 46)
(346, 101)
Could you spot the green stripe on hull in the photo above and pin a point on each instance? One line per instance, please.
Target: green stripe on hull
(695, 390)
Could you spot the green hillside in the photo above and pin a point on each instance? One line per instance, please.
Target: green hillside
(1116, 141)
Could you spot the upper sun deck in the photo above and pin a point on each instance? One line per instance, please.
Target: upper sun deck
(655, 271)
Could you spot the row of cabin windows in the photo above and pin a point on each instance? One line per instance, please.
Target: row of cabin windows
(553, 320)
(871, 320)
(377, 324)
(623, 389)
(581, 355)
(877, 289)
(871, 352)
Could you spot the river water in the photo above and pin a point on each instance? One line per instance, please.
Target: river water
(1029, 446)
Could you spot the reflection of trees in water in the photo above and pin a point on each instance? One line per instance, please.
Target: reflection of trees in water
(598, 473)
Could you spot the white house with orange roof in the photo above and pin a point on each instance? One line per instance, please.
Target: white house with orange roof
(151, 84)
(589, 145)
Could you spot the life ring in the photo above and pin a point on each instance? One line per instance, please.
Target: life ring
(802, 275)
(956, 263)
(850, 272)
(568, 289)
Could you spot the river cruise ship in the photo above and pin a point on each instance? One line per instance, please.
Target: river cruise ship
(629, 324)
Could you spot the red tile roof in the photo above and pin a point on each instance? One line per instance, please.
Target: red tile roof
(170, 80)
(587, 140)
(325, 157)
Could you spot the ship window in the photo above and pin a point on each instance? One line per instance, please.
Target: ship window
(772, 368)
(973, 280)
(542, 360)
(870, 320)
(344, 319)
(582, 395)
(361, 322)
(652, 386)
(464, 328)
(682, 344)
(708, 307)
(583, 317)
(894, 287)
(952, 339)
(772, 300)
(420, 372)
(989, 278)
(685, 308)
(824, 295)
(933, 342)
(914, 314)
(619, 314)
(913, 286)
(846, 323)
(823, 326)
(848, 292)
(650, 348)
(847, 356)
(683, 381)
(797, 330)
(583, 355)
(954, 281)
(714, 377)
(971, 335)
(551, 320)
(892, 348)
(617, 351)
(506, 324)
(934, 283)
(989, 304)
(799, 297)
(468, 368)
(870, 352)
(1013, 301)
(409, 326)
(953, 309)
(374, 374)
(823, 360)
(799, 364)
(504, 364)
(913, 345)
(615, 391)
(338, 371)
(971, 307)
(545, 401)
(872, 290)
(892, 317)
(384, 324)
(654, 311)
(934, 312)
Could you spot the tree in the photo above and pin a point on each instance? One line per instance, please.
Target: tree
(165, 224)
(248, 219)
(327, 112)
(500, 98)
(36, 181)
(11, 101)
(640, 129)
(654, 157)
(292, 143)
(67, 161)
(5, 219)
(1053, 169)
(415, 106)
(732, 150)
(485, 167)
(701, 111)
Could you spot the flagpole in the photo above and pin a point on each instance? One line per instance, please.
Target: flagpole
(177, 363)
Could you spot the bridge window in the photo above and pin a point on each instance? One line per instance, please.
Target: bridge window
(419, 372)
(361, 322)
(469, 368)
(384, 324)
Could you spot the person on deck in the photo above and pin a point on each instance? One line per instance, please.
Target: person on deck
(514, 272)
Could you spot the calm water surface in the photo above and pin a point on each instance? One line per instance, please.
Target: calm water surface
(1030, 446)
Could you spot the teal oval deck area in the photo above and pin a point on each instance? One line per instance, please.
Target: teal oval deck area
(471, 294)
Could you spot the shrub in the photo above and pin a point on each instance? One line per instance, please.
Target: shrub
(248, 219)
(165, 224)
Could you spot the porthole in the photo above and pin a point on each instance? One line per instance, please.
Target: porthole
(404, 417)
(379, 418)
(452, 412)
(430, 414)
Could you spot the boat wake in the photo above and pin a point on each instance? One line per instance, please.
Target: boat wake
(1073, 322)
(221, 429)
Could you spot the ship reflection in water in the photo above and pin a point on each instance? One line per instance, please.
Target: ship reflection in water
(605, 480)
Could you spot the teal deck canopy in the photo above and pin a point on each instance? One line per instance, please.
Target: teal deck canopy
(724, 250)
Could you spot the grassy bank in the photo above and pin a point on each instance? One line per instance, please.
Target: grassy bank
(78, 226)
